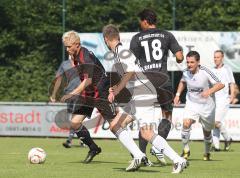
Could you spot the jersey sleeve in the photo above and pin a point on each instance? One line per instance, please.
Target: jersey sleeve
(129, 64)
(173, 44)
(184, 74)
(213, 79)
(134, 46)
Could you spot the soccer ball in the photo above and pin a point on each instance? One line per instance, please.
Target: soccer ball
(37, 156)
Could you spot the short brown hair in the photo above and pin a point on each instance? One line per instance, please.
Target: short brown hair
(219, 51)
(111, 32)
(194, 54)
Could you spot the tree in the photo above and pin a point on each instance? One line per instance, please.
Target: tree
(31, 31)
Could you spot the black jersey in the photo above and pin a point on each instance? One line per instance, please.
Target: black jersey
(89, 66)
(151, 48)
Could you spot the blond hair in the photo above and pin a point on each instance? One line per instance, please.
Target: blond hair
(70, 37)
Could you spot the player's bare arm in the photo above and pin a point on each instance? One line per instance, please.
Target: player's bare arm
(181, 87)
(127, 76)
(57, 84)
(218, 86)
(84, 84)
(115, 90)
(232, 92)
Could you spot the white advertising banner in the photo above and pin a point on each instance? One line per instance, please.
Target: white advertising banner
(38, 119)
(203, 42)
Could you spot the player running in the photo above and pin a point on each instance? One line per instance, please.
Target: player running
(144, 96)
(92, 93)
(225, 74)
(151, 47)
(200, 105)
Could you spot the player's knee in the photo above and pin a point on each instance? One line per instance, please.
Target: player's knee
(186, 123)
(167, 113)
(75, 125)
(126, 121)
(114, 127)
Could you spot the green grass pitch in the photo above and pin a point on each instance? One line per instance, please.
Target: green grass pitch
(111, 163)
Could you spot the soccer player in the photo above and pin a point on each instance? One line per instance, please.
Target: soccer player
(144, 95)
(93, 92)
(151, 46)
(67, 76)
(225, 74)
(200, 105)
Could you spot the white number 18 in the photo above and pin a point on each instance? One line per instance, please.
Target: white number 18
(156, 50)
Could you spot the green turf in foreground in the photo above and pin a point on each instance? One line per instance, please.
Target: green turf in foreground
(66, 163)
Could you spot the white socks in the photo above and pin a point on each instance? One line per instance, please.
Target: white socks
(126, 139)
(208, 142)
(161, 144)
(185, 138)
(216, 135)
(216, 138)
(224, 132)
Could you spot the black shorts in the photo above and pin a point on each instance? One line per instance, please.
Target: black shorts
(165, 96)
(163, 85)
(85, 105)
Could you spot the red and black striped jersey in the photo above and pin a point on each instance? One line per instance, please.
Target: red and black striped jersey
(89, 66)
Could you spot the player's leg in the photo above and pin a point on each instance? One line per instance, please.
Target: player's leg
(142, 143)
(221, 125)
(207, 144)
(68, 142)
(126, 139)
(116, 121)
(82, 132)
(70, 108)
(185, 137)
(207, 120)
(220, 114)
(161, 145)
(147, 125)
(216, 137)
(165, 97)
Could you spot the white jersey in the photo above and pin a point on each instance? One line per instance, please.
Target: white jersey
(144, 93)
(197, 83)
(225, 74)
(125, 61)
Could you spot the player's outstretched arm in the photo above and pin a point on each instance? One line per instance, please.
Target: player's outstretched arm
(216, 87)
(117, 88)
(85, 83)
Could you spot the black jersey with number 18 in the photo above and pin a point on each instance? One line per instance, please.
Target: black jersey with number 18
(151, 48)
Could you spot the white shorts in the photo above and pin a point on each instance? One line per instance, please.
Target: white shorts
(222, 108)
(143, 104)
(203, 113)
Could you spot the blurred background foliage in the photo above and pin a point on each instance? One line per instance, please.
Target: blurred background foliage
(31, 31)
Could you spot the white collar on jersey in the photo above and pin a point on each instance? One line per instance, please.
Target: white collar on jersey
(219, 66)
(116, 50)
